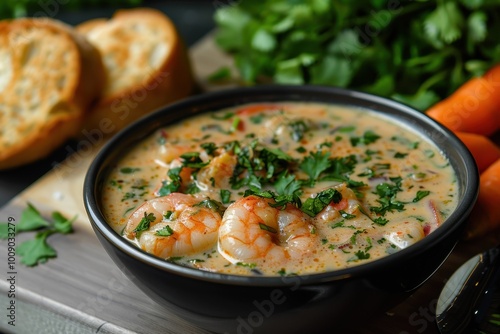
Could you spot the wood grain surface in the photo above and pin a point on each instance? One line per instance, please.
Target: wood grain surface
(83, 291)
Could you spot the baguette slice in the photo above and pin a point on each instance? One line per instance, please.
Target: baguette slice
(146, 63)
(49, 75)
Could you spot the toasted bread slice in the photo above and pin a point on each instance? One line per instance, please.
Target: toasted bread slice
(146, 63)
(49, 75)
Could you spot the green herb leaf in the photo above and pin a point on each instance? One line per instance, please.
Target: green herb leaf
(421, 194)
(315, 164)
(165, 231)
(222, 74)
(313, 206)
(129, 170)
(173, 184)
(145, 222)
(36, 251)
(225, 196)
(368, 137)
(267, 228)
(62, 224)
(31, 220)
(212, 205)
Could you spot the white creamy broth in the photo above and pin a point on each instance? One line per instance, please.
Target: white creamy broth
(280, 189)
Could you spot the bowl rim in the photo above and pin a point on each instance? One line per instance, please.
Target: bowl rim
(243, 95)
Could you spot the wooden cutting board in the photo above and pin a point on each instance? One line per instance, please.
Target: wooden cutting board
(82, 290)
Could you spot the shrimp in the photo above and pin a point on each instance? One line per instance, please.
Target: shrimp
(349, 204)
(186, 227)
(218, 172)
(404, 234)
(253, 231)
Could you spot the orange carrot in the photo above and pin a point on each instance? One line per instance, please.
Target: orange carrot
(474, 107)
(485, 217)
(483, 149)
(257, 108)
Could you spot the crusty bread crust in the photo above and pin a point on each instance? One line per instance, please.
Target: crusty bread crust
(49, 76)
(146, 63)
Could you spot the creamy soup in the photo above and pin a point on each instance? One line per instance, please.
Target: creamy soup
(280, 189)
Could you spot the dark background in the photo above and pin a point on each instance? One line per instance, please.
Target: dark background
(193, 18)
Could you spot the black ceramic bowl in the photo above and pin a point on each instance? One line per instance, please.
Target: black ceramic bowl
(238, 304)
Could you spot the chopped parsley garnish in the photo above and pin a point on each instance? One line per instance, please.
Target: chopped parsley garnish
(361, 255)
(313, 206)
(257, 119)
(225, 196)
(209, 147)
(406, 142)
(421, 194)
(248, 265)
(129, 170)
(346, 215)
(165, 232)
(298, 129)
(212, 205)
(193, 160)
(168, 215)
(145, 222)
(315, 164)
(267, 228)
(172, 185)
(368, 137)
(387, 197)
(380, 221)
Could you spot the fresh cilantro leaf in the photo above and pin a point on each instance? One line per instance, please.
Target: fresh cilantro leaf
(210, 147)
(296, 42)
(62, 224)
(248, 265)
(298, 129)
(173, 184)
(362, 255)
(314, 205)
(346, 215)
(332, 70)
(31, 220)
(263, 40)
(315, 164)
(267, 228)
(368, 137)
(400, 155)
(387, 193)
(225, 196)
(165, 231)
(37, 250)
(476, 27)
(380, 221)
(193, 160)
(145, 222)
(421, 194)
(221, 74)
(213, 205)
(129, 170)
(287, 184)
(445, 24)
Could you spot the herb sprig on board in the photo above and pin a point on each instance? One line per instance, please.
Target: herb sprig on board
(37, 250)
(417, 52)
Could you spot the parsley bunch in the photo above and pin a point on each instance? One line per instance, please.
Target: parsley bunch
(37, 250)
(417, 52)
